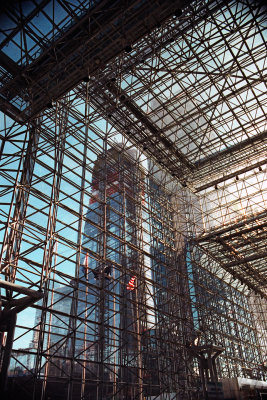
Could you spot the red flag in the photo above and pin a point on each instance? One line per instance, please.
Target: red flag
(131, 283)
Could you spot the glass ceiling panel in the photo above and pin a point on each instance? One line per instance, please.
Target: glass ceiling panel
(27, 28)
(207, 87)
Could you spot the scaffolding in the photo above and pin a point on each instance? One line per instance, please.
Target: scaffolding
(133, 198)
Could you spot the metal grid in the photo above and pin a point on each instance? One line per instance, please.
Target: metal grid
(151, 169)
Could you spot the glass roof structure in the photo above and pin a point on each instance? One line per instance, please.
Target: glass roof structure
(190, 93)
(189, 90)
(181, 86)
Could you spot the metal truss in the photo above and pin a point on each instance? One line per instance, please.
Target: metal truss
(133, 197)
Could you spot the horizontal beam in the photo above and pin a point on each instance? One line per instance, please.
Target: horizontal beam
(230, 150)
(9, 65)
(87, 45)
(230, 176)
(155, 131)
(245, 231)
(20, 289)
(245, 260)
(238, 225)
(11, 111)
(238, 274)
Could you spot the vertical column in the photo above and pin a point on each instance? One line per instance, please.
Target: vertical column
(102, 284)
(79, 243)
(14, 229)
(61, 122)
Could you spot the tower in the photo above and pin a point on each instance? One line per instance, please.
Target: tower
(115, 297)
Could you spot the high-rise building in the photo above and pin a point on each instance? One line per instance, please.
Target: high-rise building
(123, 307)
(112, 274)
(131, 300)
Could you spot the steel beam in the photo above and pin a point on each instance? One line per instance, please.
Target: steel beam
(19, 289)
(254, 140)
(157, 136)
(226, 177)
(50, 75)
